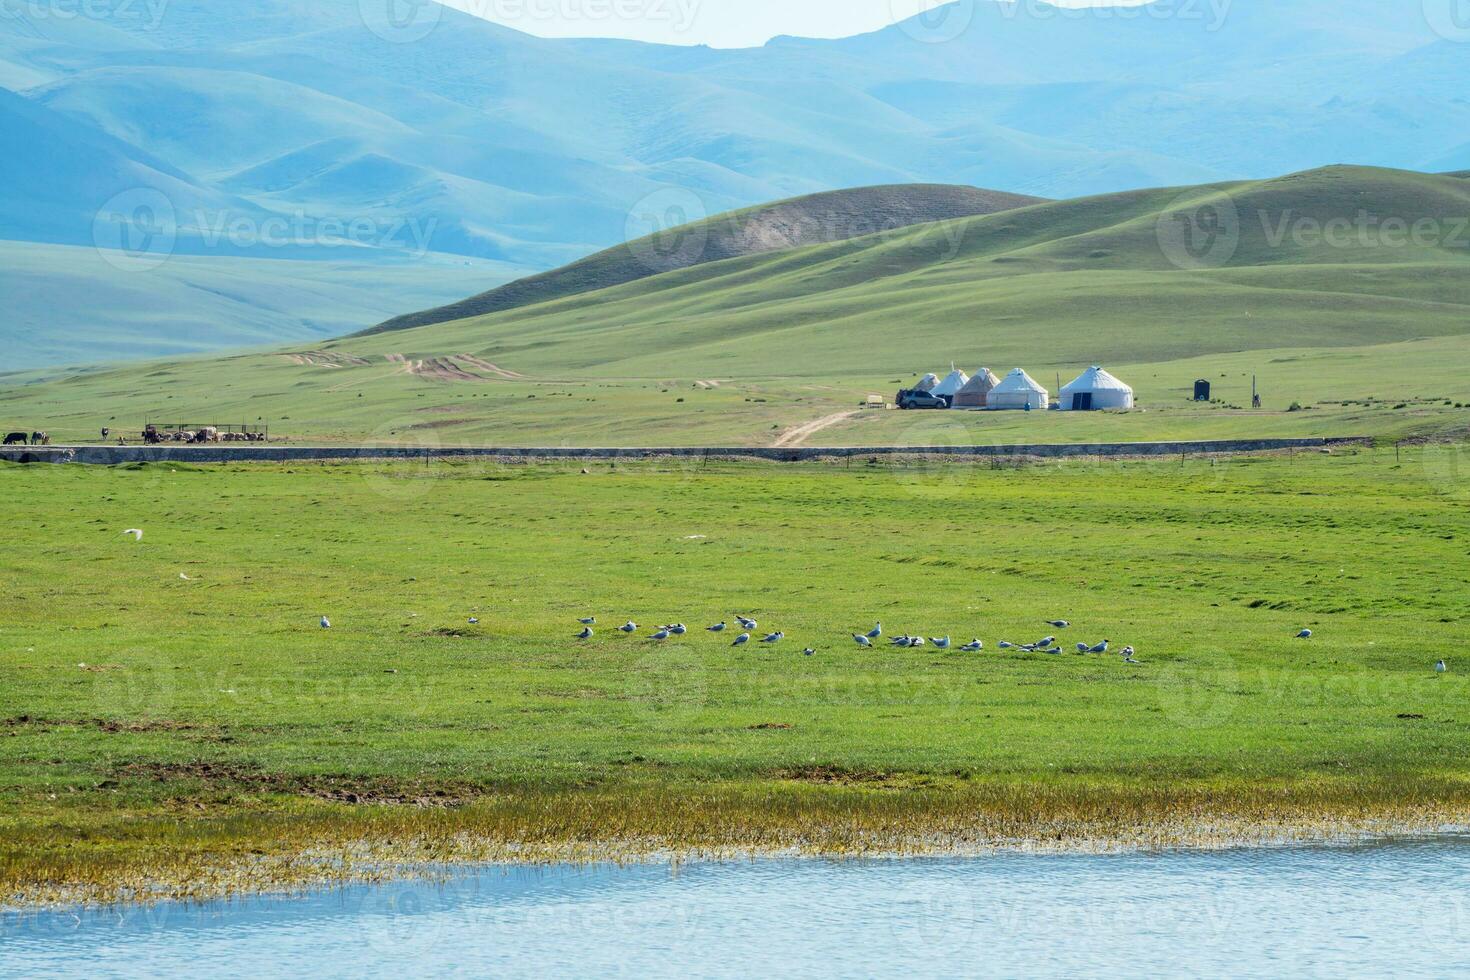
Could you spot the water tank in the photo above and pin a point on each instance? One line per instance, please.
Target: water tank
(1201, 391)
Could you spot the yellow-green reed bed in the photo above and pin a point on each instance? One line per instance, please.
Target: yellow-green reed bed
(173, 720)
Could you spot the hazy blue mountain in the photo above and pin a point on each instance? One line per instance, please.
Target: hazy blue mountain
(311, 132)
(66, 304)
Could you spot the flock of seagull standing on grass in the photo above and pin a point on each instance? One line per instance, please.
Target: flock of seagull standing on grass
(1046, 645)
(906, 642)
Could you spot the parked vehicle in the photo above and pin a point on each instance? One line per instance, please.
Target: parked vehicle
(913, 398)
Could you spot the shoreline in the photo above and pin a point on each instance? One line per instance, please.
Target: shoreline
(368, 861)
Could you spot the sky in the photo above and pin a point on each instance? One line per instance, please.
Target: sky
(719, 23)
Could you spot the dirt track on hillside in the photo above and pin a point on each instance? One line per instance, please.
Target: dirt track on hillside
(803, 432)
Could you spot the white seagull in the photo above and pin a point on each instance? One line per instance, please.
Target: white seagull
(741, 640)
(876, 631)
(1046, 642)
(1128, 655)
(660, 635)
(808, 652)
(861, 640)
(717, 628)
(1441, 667)
(326, 623)
(629, 627)
(1060, 624)
(589, 621)
(1081, 647)
(1304, 635)
(474, 621)
(941, 642)
(749, 624)
(974, 646)
(678, 629)
(917, 641)
(1100, 648)
(1006, 645)
(586, 633)
(900, 641)
(135, 532)
(773, 637)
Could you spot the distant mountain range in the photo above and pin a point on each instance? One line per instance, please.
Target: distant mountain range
(306, 132)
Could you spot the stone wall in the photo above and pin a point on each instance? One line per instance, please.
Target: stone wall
(114, 455)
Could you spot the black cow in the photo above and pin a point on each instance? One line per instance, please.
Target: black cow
(16, 439)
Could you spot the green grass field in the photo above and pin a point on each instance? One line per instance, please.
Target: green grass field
(1365, 332)
(174, 714)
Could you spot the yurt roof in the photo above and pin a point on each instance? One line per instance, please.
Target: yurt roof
(927, 382)
(1019, 380)
(953, 383)
(1096, 379)
(982, 382)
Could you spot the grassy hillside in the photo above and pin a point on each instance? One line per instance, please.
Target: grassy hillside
(812, 220)
(1366, 335)
(174, 713)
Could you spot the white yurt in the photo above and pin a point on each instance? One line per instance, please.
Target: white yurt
(952, 384)
(1018, 391)
(976, 392)
(928, 383)
(1093, 391)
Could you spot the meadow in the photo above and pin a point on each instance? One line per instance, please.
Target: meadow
(172, 716)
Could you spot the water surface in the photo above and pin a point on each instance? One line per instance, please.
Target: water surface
(1371, 910)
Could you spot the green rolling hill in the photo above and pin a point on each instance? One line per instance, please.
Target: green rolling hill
(1344, 290)
(816, 219)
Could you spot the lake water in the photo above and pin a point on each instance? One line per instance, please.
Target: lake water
(1372, 910)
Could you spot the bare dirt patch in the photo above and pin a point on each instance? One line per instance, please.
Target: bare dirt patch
(484, 365)
(110, 726)
(458, 368)
(361, 790)
(439, 424)
(834, 774)
(325, 359)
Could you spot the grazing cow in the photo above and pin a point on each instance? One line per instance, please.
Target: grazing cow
(40, 438)
(16, 439)
(207, 434)
(152, 436)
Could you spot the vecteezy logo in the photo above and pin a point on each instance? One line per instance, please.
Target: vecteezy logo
(1450, 19)
(136, 230)
(1199, 233)
(667, 230)
(1197, 697)
(1447, 468)
(939, 20)
(400, 21)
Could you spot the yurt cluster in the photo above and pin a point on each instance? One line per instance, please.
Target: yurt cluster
(1094, 390)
